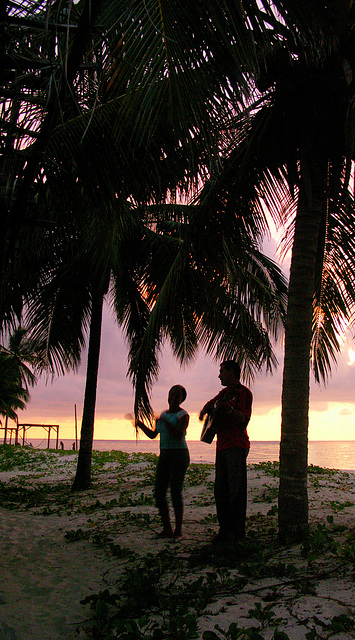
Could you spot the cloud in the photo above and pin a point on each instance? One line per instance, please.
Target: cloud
(347, 411)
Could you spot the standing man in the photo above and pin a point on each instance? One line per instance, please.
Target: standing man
(232, 409)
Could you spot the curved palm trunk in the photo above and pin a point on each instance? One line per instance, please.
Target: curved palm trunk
(83, 472)
(293, 497)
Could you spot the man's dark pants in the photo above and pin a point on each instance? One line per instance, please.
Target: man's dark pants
(230, 491)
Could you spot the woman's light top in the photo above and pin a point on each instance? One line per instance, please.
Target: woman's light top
(167, 440)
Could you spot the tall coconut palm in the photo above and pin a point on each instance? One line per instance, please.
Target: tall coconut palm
(296, 143)
(314, 114)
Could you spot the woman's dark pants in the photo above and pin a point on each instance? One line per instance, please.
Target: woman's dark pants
(171, 469)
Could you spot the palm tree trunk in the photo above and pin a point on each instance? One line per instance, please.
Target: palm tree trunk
(293, 496)
(83, 472)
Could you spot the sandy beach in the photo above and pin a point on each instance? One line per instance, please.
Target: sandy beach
(60, 548)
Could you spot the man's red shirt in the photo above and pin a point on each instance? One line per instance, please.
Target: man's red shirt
(231, 433)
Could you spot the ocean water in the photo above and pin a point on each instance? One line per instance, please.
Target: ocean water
(330, 454)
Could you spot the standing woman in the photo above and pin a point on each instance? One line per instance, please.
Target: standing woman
(173, 460)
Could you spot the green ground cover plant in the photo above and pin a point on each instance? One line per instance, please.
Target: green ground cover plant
(199, 474)
(268, 468)
(269, 494)
(163, 596)
(42, 495)
(23, 458)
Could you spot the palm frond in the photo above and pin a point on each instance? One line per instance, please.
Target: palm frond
(334, 301)
(13, 388)
(215, 285)
(57, 313)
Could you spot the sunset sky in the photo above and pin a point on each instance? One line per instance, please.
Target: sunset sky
(332, 411)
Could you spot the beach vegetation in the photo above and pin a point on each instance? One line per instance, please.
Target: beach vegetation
(167, 601)
(209, 518)
(139, 518)
(347, 550)
(203, 499)
(127, 499)
(265, 615)
(320, 538)
(21, 458)
(24, 498)
(268, 493)
(339, 624)
(337, 506)
(182, 586)
(199, 474)
(320, 471)
(269, 468)
(123, 458)
(76, 534)
(234, 632)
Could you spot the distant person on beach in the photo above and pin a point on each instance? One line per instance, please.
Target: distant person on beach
(61, 445)
(232, 410)
(173, 460)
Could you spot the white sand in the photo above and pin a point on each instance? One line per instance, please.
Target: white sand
(45, 576)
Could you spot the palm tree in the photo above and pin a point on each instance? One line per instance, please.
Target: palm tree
(13, 395)
(20, 363)
(321, 290)
(172, 74)
(83, 472)
(312, 108)
(294, 146)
